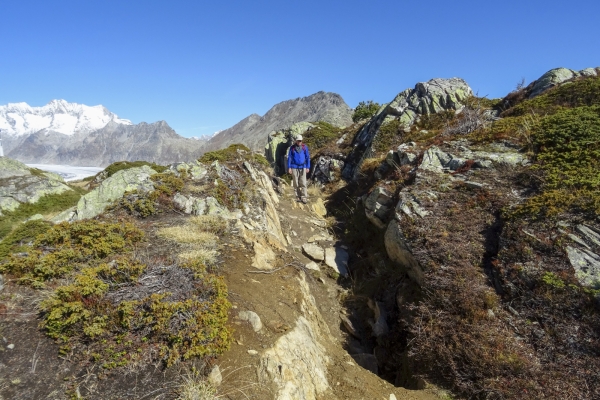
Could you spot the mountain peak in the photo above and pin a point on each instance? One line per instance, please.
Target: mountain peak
(21, 119)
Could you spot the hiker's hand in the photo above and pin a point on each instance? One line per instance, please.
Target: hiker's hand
(307, 169)
(289, 171)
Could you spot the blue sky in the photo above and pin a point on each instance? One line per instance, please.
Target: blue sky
(202, 66)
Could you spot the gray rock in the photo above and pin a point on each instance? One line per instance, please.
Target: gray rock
(474, 185)
(214, 377)
(314, 251)
(426, 98)
(183, 203)
(350, 326)
(379, 326)
(1, 282)
(590, 234)
(65, 216)
(377, 206)
(379, 195)
(550, 79)
(588, 72)
(399, 252)
(213, 207)
(586, 265)
(252, 318)
(409, 205)
(337, 258)
(435, 159)
(312, 266)
(113, 188)
(20, 184)
(578, 240)
(35, 217)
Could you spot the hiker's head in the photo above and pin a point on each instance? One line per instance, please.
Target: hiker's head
(298, 139)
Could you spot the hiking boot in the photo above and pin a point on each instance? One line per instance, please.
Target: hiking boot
(303, 200)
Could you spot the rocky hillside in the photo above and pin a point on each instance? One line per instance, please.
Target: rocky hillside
(75, 134)
(253, 130)
(476, 235)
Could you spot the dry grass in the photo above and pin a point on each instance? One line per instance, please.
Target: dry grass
(194, 386)
(209, 223)
(189, 234)
(314, 191)
(205, 256)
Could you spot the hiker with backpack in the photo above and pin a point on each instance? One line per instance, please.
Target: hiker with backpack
(298, 167)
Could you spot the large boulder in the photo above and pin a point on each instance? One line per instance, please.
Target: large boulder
(20, 184)
(377, 206)
(555, 77)
(425, 98)
(113, 188)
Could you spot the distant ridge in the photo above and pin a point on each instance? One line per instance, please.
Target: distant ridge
(253, 130)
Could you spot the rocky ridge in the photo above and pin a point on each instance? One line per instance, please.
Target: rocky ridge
(253, 130)
(425, 98)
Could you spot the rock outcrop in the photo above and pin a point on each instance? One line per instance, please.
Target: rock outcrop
(20, 184)
(93, 203)
(297, 363)
(426, 98)
(557, 76)
(584, 254)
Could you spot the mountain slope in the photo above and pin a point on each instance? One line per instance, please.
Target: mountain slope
(253, 130)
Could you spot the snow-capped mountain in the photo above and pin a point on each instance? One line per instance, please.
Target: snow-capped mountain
(75, 134)
(60, 116)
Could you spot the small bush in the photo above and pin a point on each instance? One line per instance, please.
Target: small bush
(121, 165)
(568, 159)
(320, 136)
(22, 236)
(65, 247)
(181, 323)
(389, 134)
(231, 153)
(365, 110)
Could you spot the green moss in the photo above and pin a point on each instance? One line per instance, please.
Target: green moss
(121, 165)
(228, 154)
(365, 110)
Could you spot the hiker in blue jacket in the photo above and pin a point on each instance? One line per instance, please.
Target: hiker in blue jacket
(298, 167)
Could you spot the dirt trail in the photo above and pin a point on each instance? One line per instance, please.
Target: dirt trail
(276, 296)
